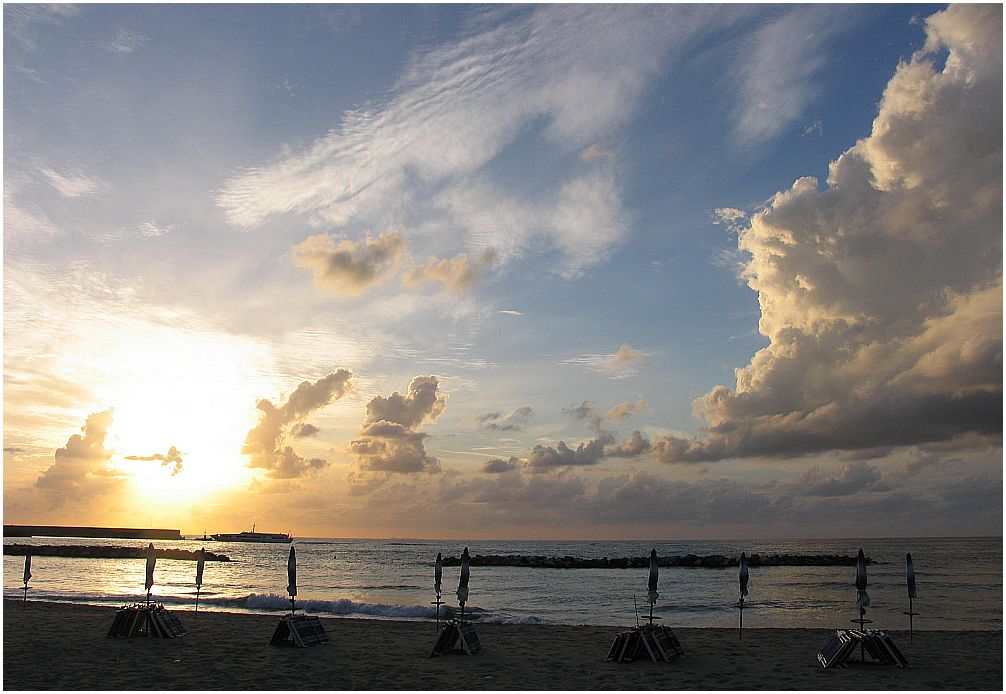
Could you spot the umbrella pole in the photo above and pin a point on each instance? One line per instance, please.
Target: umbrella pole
(197, 599)
(911, 617)
(862, 621)
(24, 602)
(740, 626)
(651, 614)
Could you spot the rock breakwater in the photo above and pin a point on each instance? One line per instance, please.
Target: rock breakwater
(713, 561)
(88, 552)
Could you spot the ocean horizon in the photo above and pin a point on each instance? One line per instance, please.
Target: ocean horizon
(959, 581)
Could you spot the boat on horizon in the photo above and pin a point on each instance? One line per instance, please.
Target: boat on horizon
(252, 536)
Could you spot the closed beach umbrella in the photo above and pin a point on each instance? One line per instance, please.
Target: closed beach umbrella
(151, 561)
(463, 583)
(438, 573)
(911, 577)
(200, 565)
(654, 573)
(862, 598)
(291, 573)
(744, 574)
(27, 567)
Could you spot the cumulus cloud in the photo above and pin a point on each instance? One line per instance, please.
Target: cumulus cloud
(497, 465)
(624, 410)
(632, 447)
(458, 274)
(81, 470)
(347, 268)
(389, 442)
(498, 421)
(881, 296)
(265, 444)
(172, 457)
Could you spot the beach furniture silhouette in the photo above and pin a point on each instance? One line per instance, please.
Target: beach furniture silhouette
(458, 630)
(878, 644)
(27, 577)
(657, 642)
(744, 591)
(300, 630)
(912, 594)
(438, 574)
(151, 620)
(200, 565)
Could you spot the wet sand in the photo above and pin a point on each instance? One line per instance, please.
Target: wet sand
(54, 646)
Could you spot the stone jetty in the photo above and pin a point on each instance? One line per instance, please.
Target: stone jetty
(713, 561)
(91, 552)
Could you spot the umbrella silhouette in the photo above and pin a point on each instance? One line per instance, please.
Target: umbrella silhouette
(912, 591)
(200, 565)
(27, 575)
(463, 583)
(912, 594)
(744, 592)
(291, 573)
(651, 584)
(862, 597)
(744, 575)
(438, 574)
(151, 562)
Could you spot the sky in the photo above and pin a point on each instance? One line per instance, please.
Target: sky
(548, 271)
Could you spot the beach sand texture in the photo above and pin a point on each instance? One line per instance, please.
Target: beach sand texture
(59, 646)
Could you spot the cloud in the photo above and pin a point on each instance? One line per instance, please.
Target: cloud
(389, 442)
(624, 410)
(81, 471)
(623, 363)
(583, 219)
(632, 447)
(774, 74)
(152, 230)
(22, 21)
(304, 430)
(497, 421)
(594, 152)
(881, 296)
(71, 185)
(855, 477)
(264, 444)
(172, 457)
(458, 274)
(510, 312)
(126, 41)
(573, 74)
(497, 465)
(347, 268)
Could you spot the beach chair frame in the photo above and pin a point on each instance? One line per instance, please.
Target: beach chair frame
(299, 630)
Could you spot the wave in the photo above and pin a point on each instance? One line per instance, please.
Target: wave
(273, 602)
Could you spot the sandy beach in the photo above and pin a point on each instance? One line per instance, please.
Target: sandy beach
(57, 646)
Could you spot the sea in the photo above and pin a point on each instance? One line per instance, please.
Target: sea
(959, 582)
